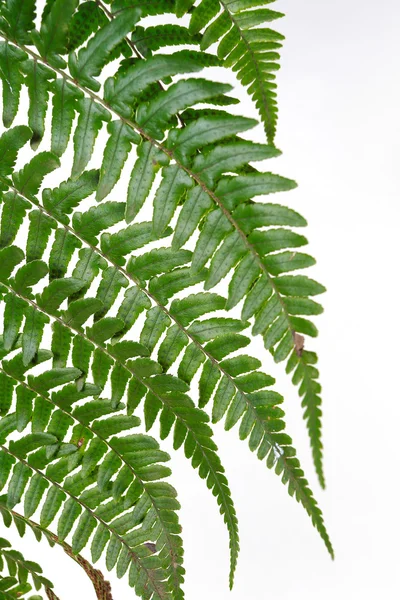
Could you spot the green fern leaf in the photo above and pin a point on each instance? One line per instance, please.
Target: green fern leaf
(116, 152)
(87, 65)
(65, 101)
(90, 121)
(10, 144)
(61, 201)
(29, 179)
(38, 78)
(149, 39)
(154, 117)
(52, 39)
(85, 21)
(120, 91)
(12, 80)
(205, 131)
(173, 187)
(149, 161)
(18, 19)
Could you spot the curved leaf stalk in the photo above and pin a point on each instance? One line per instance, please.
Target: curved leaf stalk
(101, 586)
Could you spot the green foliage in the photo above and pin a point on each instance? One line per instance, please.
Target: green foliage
(243, 44)
(102, 321)
(89, 62)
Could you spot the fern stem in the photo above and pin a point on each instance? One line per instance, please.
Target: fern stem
(135, 557)
(101, 586)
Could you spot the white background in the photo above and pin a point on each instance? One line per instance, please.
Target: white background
(339, 98)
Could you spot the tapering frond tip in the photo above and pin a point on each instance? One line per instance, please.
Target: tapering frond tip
(234, 551)
(321, 477)
(299, 488)
(288, 466)
(305, 375)
(191, 431)
(245, 44)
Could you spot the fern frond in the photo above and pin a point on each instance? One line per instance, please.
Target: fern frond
(101, 275)
(162, 392)
(153, 496)
(251, 50)
(261, 421)
(306, 376)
